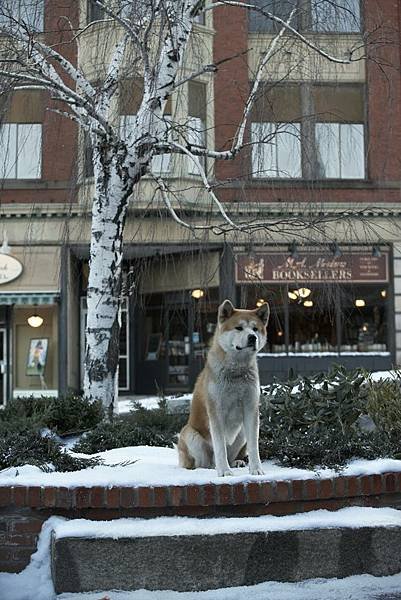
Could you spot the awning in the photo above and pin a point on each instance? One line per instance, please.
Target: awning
(30, 298)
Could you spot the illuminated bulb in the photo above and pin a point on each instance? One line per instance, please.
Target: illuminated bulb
(304, 292)
(383, 293)
(364, 328)
(260, 302)
(35, 321)
(308, 303)
(197, 294)
(293, 295)
(359, 302)
(280, 333)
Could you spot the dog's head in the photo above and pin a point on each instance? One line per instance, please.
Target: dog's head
(242, 330)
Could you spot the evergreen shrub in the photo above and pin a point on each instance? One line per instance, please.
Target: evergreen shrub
(141, 427)
(315, 421)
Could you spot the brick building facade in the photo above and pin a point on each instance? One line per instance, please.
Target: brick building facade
(332, 276)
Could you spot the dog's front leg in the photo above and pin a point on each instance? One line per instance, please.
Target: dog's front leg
(251, 426)
(219, 444)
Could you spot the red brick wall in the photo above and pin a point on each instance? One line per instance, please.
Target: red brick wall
(383, 108)
(24, 509)
(59, 142)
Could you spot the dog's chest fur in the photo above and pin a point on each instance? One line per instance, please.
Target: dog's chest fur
(232, 390)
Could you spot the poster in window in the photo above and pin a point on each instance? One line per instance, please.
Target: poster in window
(37, 356)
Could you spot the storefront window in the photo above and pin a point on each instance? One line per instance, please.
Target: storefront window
(319, 319)
(312, 319)
(364, 323)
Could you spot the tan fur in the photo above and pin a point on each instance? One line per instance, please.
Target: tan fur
(197, 432)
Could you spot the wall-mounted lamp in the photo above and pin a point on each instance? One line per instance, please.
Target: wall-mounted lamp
(293, 250)
(376, 253)
(335, 249)
(360, 303)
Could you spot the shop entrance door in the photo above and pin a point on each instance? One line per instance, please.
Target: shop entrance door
(3, 367)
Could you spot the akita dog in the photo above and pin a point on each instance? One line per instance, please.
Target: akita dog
(223, 424)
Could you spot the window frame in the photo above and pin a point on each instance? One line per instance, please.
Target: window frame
(308, 140)
(18, 153)
(304, 23)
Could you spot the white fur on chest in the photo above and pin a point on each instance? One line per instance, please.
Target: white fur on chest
(231, 397)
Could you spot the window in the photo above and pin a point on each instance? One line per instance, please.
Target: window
(28, 12)
(258, 23)
(277, 150)
(196, 127)
(130, 98)
(364, 322)
(94, 12)
(21, 136)
(341, 16)
(340, 151)
(313, 132)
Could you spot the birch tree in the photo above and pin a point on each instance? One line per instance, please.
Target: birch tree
(156, 33)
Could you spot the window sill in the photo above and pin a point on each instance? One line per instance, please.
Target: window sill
(33, 184)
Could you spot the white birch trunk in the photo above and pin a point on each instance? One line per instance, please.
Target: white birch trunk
(104, 285)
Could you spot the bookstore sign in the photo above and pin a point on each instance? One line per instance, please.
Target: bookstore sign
(312, 268)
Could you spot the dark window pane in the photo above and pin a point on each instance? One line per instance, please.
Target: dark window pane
(122, 373)
(341, 16)
(340, 103)
(280, 104)
(312, 319)
(95, 12)
(258, 23)
(364, 310)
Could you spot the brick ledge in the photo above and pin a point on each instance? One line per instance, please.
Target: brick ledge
(265, 493)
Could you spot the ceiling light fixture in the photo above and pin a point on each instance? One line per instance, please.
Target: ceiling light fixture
(197, 294)
(360, 302)
(308, 303)
(293, 295)
(35, 320)
(304, 292)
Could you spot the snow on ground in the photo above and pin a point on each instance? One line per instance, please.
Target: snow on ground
(361, 587)
(35, 581)
(353, 517)
(159, 466)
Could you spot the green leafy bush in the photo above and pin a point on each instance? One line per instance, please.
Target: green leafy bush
(65, 415)
(141, 427)
(19, 448)
(314, 422)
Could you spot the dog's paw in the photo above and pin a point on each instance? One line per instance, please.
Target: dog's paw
(224, 473)
(257, 470)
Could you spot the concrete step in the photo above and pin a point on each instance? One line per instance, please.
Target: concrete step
(210, 560)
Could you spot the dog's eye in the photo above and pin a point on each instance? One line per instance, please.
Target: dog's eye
(255, 328)
(239, 328)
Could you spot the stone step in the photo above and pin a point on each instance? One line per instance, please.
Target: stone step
(210, 559)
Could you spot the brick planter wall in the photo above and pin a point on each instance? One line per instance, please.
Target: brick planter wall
(24, 509)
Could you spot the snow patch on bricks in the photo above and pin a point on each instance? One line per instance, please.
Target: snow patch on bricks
(159, 467)
(352, 517)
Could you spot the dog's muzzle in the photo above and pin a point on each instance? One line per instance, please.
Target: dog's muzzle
(252, 339)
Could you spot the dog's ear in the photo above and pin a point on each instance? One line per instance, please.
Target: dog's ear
(263, 312)
(225, 311)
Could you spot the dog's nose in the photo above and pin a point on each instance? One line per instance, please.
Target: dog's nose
(252, 339)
